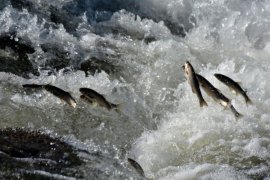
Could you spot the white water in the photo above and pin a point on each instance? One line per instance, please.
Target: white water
(162, 125)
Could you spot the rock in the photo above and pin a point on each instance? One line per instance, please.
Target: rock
(57, 57)
(27, 152)
(51, 13)
(13, 56)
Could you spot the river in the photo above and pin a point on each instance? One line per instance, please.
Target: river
(135, 50)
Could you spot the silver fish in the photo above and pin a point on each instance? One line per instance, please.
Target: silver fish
(97, 99)
(234, 86)
(61, 94)
(217, 95)
(213, 92)
(136, 166)
(55, 91)
(193, 81)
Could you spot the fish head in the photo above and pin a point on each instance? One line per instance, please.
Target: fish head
(82, 90)
(188, 68)
(218, 76)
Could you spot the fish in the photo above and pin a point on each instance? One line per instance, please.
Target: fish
(213, 92)
(234, 86)
(136, 166)
(193, 81)
(217, 95)
(96, 99)
(61, 94)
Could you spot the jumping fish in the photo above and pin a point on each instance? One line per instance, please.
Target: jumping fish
(213, 92)
(61, 94)
(234, 86)
(217, 95)
(193, 81)
(55, 91)
(96, 99)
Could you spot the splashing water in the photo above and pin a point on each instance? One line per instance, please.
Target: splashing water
(140, 47)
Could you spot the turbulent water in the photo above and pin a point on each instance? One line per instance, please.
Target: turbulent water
(136, 50)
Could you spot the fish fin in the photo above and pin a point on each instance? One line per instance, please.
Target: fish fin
(72, 103)
(117, 107)
(248, 101)
(219, 91)
(233, 91)
(225, 107)
(95, 104)
(237, 115)
(203, 103)
(193, 90)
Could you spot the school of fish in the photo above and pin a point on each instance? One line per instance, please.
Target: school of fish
(194, 79)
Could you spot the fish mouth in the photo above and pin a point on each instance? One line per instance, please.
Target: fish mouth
(183, 67)
(187, 63)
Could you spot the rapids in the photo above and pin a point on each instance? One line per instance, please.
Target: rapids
(135, 51)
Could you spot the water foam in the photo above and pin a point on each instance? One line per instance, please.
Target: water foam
(228, 37)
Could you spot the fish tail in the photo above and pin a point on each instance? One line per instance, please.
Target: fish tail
(117, 107)
(248, 101)
(203, 103)
(34, 86)
(237, 115)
